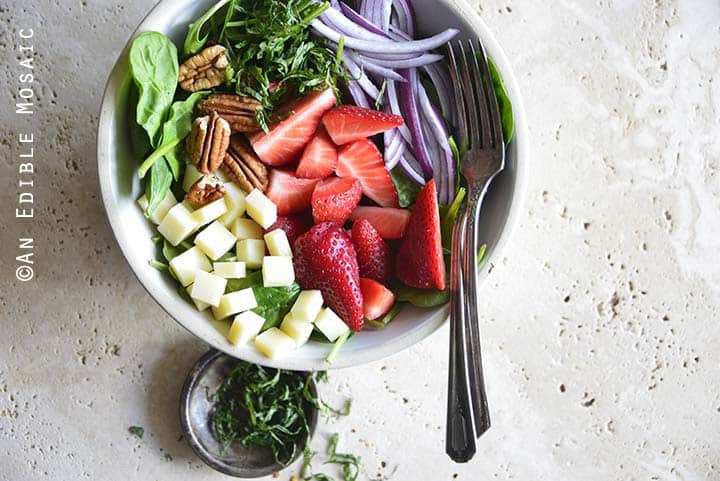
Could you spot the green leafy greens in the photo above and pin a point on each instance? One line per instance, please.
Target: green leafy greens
(407, 189)
(349, 463)
(263, 407)
(174, 130)
(273, 302)
(269, 47)
(154, 68)
(506, 110)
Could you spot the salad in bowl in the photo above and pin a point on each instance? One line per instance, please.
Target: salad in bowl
(297, 165)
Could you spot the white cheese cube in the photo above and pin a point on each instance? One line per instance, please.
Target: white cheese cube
(215, 240)
(245, 327)
(277, 243)
(277, 271)
(307, 306)
(210, 212)
(330, 324)
(234, 302)
(229, 270)
(192, 175)
(246, 229)
(274, 343)
(178, 224)
(235, 202)
(208, 288)
(261, 209)
(187, 264)
(161, 210)
(251, 252)
(299, 330)
(201, 306)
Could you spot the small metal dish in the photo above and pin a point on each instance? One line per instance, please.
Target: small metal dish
(196, 418)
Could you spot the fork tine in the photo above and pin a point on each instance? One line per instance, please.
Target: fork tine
(489, 100)
(458, 97)
(470, 99)
(478, 82)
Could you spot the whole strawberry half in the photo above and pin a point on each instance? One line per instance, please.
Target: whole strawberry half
(294, 225)
(289, 193)
(420, 261)
(335, 198)
(373, 254)
(324, 258)
(349, 122)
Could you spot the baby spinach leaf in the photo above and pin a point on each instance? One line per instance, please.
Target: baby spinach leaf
(448, 216)
(154, 67)
(197, 35)
(406, 188)
(158, 186)
(174, 130)
(273, 302)
(421, 297)
(504, 104)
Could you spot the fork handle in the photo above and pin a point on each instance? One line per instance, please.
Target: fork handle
(470, 271)
(460, 430)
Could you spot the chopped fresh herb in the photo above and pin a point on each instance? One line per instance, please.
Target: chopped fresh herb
(263, 407)
(381, 95)
(349, 463)
(137, 431)
(324, 407)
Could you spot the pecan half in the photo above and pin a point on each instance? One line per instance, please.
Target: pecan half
(243, 166)
(208, 141)
(204, 70)
(238, 110)
(207, 189)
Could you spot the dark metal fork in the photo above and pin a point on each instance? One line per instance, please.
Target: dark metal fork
(480, 131)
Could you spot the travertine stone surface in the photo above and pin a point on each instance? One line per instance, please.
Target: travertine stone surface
(600, 323)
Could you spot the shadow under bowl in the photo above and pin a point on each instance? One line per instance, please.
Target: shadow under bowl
(196, 411)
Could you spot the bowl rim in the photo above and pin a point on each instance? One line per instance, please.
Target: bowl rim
(430, 324)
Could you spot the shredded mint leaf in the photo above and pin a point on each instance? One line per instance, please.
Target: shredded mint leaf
(137, 431)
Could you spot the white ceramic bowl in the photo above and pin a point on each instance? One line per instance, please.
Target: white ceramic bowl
(120, 188)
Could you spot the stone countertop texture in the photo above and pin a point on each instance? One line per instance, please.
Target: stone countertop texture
(600, 324)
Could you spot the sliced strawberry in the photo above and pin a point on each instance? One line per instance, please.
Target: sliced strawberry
(362, 159)
(324, 258)
(420, 261)
(335, 198)
(377, 299)
(294, 225)
(319, 158)
(348, 122)
(287, 138)
(373, 254)
(389, 222)
(289, 193)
